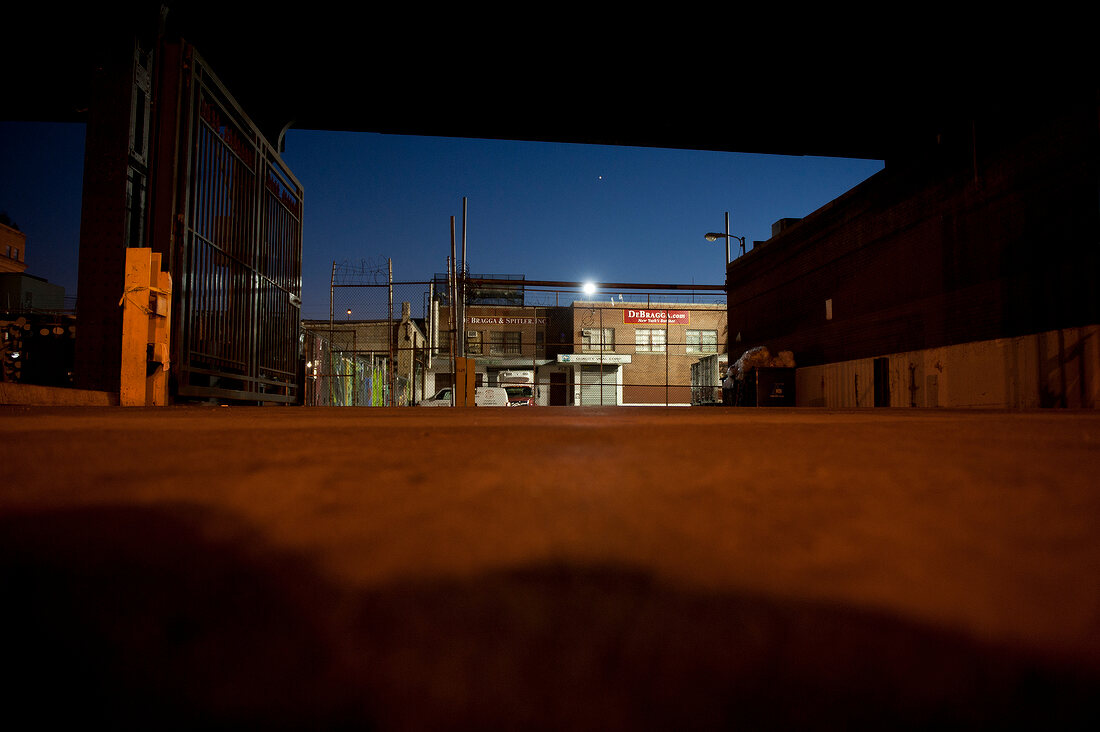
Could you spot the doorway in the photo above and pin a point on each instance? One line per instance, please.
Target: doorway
(558, 388)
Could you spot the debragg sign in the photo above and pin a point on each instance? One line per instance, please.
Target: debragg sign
(661, 317)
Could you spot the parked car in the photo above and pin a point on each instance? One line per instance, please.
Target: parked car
(442, 398)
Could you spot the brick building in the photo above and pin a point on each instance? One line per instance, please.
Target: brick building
(13, 249)
(589, 353)
(19, 290)
(966, 275)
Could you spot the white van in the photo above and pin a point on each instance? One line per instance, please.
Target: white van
(484, 396)
(520, 387)
(490, 396)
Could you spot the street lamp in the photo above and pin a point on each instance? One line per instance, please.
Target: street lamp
(715, 236)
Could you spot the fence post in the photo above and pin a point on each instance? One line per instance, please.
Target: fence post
(390, 335)
(668, 347)
(146, 316)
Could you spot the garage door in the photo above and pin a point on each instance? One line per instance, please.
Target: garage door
(598, 385)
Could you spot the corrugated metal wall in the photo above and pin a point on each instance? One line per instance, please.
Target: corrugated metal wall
(1052, 369)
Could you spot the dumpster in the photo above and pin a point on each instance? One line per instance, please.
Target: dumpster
(758, 379)
(769, 387)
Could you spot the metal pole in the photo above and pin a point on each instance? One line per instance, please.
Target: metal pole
(389, 339)
(668, 348)
(331, 315)
(454, 330)
(331, 289)
(601, 356)
(462, 321)
(727, 239)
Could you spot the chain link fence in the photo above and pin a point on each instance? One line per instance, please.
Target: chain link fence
(391, 343)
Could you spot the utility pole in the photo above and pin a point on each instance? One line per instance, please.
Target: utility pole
(462, 319)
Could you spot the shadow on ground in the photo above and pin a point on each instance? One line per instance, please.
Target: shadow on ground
(170, 619)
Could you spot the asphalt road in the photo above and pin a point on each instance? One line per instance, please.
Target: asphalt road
(549, 568)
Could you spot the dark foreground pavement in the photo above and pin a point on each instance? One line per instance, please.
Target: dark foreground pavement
(197, 568)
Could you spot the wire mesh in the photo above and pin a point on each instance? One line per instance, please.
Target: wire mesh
(391, 344)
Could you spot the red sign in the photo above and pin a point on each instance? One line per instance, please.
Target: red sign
(658, 317)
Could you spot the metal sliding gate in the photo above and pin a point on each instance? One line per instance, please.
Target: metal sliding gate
(238, 329)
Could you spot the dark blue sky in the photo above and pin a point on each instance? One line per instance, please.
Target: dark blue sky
(546, 210)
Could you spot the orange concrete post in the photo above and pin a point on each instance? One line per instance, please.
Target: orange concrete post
(146, 315)
(464, 382)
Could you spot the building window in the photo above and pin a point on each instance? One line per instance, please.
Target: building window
(15, 254)
(598, 339)
(473, 342)
(650, 340)
(513, 342)
(702, 341)
(540, 342)
(505, 342)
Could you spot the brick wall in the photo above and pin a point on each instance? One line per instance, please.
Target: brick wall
(949, 247)
(13, 249)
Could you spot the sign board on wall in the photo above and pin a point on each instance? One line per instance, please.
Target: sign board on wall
(504, 320)
(656, 317)
(606, 358)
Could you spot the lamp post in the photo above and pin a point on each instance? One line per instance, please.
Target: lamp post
(715, 236)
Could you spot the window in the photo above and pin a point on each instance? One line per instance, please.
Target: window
(649, 339)
(15, 254)
(513, 342)
(598, 339)
(505, 342)
(702, 341)
(519, 392)
(473, 342)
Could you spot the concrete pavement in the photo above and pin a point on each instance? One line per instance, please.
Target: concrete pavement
(551, 568)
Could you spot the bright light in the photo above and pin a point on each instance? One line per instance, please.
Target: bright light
(589, 288)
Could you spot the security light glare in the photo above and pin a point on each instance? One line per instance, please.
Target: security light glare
(589, 288)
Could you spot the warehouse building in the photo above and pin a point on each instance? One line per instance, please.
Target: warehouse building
(966, 275)
(588, 353)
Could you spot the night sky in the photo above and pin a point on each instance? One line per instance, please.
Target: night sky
(545, 210)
